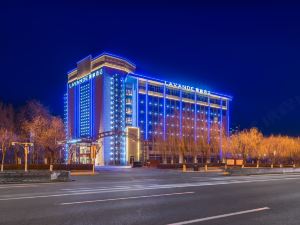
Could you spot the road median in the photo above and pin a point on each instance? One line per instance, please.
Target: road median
(34, 176)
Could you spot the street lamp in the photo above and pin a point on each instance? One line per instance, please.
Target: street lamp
(25, 145)
(93, 154)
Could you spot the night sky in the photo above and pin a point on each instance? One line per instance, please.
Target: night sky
(248, 50)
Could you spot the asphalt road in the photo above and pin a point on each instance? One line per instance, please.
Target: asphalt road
(150, 196)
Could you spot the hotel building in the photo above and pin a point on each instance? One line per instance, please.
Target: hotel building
(129, 116)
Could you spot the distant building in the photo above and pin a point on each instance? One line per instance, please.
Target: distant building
(126, 114)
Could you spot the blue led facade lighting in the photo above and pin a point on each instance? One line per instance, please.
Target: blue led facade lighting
(66, 121)
(85, 110)
(105, 94)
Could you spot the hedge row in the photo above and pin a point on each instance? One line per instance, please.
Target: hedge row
(46, 167)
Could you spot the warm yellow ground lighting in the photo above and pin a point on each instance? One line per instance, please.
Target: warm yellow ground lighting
(138, 143)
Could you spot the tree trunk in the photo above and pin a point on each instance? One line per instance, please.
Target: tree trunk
(164, 159)
(195, 159)
(16, 157)
(208, 156)
(180, 158)
(2, 161)
(3, 155)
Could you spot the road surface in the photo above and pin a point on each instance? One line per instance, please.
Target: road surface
(151, 196)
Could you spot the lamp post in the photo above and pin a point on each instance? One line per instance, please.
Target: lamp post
(93, 154)
(26, 146)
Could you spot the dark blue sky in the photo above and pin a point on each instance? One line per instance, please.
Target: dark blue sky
(248, 50)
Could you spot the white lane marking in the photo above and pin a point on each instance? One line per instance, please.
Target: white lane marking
(122, 186)
(155, 187)
(75, 189)
(100, 189)
(220, 216)
(126, 198)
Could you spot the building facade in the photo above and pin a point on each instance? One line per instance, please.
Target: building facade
(131, 117)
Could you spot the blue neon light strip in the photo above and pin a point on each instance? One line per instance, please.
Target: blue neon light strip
(122, 156)
(73, 134)
(66, 156)
(221, 129)
(77, 112)
(142, 76)
(139, 75)
(137, 103)
(146, 119)
(195, 118)
(164, 111)
(166, 82)
(228, 121)
(208, 121)
(66, 119)
(91, 108)
(85, 110)
(180, 116)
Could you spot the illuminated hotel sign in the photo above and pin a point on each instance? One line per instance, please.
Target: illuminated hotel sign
(86, 78)
(186, 87)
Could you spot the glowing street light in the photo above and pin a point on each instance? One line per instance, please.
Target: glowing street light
(93, 155)
(25, 145)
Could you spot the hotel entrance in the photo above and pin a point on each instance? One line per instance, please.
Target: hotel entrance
(132, 145)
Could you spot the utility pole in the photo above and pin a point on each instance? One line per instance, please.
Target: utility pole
(26, 146)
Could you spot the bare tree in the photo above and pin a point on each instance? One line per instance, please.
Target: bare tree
(6, 129)
(6, 138)
(172, 135)
(49, 140)
(38, 126)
